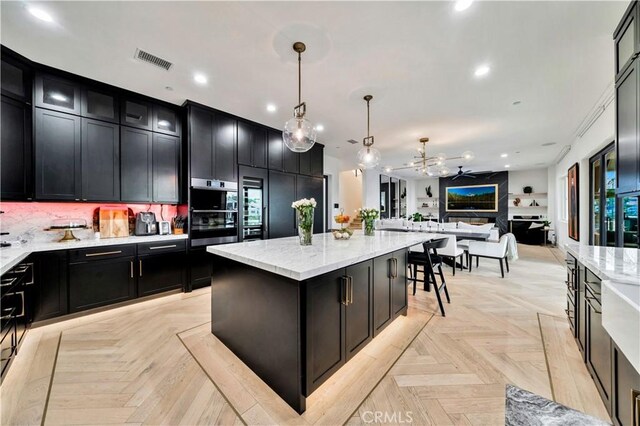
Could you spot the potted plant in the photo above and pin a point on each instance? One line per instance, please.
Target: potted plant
(304, 209)
(416, 217)
(368, 217)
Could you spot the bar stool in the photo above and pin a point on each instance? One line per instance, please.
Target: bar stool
(429, 260)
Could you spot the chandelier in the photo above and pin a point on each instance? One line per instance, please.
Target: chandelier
(431, 165)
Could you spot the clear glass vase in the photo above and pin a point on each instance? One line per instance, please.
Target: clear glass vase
(368, 227)
(305, 225)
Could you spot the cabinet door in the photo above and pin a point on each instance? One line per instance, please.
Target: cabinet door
(276, 146)
(325, 327)
(581, 308)
(166, 120)
(136, 113)
(627, 129)
(245, 143)
(16, 181)
(51, 285)
(57, 94)
(200, 268)
(260, 147)
(100, 105)
(160, 273)
(57, 146)
(626, 382)
(201, 143)
(136, 165)
(316, 160)
(313, 187)
(626, 41)
(99, 283)
(100, 161)
(290, 160)
(281, 217)
(304, 162)
(399, 296)
(599, 350)
(16, 80)
(359, 313)
(225, 163)
(382, 313)
(166, 168)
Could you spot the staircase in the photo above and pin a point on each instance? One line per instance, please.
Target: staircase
(356, 223)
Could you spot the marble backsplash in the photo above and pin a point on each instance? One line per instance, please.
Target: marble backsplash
(28, 221)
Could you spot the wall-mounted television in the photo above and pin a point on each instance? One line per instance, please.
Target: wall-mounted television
(475, 198)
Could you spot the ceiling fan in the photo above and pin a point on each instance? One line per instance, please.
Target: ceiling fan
(467, 173)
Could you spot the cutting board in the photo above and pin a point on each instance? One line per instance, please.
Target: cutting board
(114, 222)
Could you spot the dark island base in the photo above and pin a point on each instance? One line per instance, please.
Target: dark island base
(295, 334)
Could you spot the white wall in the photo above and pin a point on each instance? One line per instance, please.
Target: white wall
(538, 179)
(350, 192)
(597, 137)
(332, 170)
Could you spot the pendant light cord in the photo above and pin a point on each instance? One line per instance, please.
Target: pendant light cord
(299, 79)
(368, 133)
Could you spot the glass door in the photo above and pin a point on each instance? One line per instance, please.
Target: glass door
(629, 221)
(609, 211)
(602, 195)
(596, 201)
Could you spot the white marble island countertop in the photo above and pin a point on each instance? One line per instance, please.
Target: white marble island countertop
(286, 257)
(11, 256)
(609, 263)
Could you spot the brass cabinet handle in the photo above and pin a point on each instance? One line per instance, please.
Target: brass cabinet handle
(104, 253)
(131, 265)
(591, 305)
(344, 289)
(162, 247)
(350, 290)
(395, 265)
(140, 266)
(390, 271)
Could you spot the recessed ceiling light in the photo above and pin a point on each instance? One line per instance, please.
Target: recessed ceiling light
(462, 5)
(59, 97)
(548, 144)
(517, 102)
(506, 166)
(200, 78)
(387, 169)
(272, 108)
(169, 88)
(40, 14)
(319, 127)
(504, 155)
(482, 70)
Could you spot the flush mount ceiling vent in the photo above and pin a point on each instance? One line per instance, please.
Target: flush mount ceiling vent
(153, 59)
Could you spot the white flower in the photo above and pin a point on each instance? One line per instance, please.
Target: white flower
(304, 202)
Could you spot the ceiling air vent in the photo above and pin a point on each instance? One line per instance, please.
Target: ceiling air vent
(352, 142)
(153, 59)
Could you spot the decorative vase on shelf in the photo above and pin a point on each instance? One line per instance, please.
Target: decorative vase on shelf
(527, 190)
(428, 189)
(304, 217)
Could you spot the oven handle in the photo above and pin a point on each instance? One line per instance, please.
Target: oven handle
(214, 211)
(211, 188)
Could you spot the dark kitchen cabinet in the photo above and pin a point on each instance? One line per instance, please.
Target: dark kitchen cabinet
(212, 144)
(275, 150)
(16, 79)
(290, 160)
(598, 342)
(136, 113)
(399, 298)
(626, 39)
(100, 105)
(358, 311)
(166, 120)
(57, 156)
(281, 217)
(627, 130)
(581, 310)
(200, 268)
(51, 285)
(325, 299)
(56, 93)
(161, 272)
(16, 147)
(626, 390)
(100, 161)
(96, 283)
(136, 165)
(312, 161)
(313, 187)
(252, 145)
(224, 158)
(166, 168)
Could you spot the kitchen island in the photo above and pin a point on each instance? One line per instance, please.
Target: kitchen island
(296, 314)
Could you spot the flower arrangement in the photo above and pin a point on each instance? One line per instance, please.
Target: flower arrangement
(342, 233)
(305, 208)
(368, 216)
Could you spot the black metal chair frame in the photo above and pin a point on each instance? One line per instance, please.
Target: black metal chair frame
(429, 272)
(506, 262)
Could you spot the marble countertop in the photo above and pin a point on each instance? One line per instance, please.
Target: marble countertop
(286, 257)
(621, 317)
(11, 256)
(609, 263)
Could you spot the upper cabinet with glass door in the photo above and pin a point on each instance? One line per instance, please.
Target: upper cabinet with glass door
(627, 39)
(58, 94)
(16, 79)
(100, 105)
(166, 120)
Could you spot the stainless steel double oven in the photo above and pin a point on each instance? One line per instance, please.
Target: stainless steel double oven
(213, 212)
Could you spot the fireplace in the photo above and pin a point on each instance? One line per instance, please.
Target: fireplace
(471, 220)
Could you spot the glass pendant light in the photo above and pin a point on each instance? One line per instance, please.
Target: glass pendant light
(299, 134)
(368, 157)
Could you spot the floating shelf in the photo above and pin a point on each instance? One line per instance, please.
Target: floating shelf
(532, 195)
(428, 198)
(527, 207)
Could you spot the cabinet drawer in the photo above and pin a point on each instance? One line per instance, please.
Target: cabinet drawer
(161, 247)
(100, 253)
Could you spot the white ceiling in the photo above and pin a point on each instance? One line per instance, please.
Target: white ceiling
(416, 58)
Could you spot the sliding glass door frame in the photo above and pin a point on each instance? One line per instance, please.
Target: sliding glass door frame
(604, 233)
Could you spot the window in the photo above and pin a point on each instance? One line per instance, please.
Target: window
(564, 201)
(602, 197)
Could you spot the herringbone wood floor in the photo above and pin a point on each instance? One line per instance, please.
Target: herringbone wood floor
(129, 366)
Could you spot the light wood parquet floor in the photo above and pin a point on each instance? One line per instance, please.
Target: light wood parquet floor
(129, 365)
